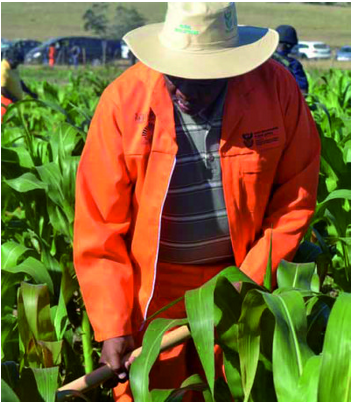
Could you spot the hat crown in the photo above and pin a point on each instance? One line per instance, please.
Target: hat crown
(199, 26)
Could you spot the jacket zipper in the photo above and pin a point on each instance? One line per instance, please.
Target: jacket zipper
(158, 246)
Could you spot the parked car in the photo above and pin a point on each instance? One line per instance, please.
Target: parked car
(90, 49)
(344, 54)
(25, 45)
(311, 50)
(5, 44)
(127, 54)
(125, 50)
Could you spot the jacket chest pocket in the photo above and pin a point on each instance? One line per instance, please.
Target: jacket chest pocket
(258, 172)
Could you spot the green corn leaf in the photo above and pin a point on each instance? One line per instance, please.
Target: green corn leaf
(162, 395)
(50, 353)
(227, 309)
(253, 307)
(9, 283)
(318, 311)
(307, 390)
(26, 182)
(58, 219)
(200, 312)
(347, 152)
(67, 287)
(9, 337)
(193, 383)
(10, 373)
(50, 92)
(289, 340)
(233, 274)
(233, 374)
(268, 272)
(222, 391)
(63, 142)
(7, 394)
(17, 156)
(154, 315)
(294, 275)
(337, 194)
(69, 166)
(263, 389)
(50, 175)
(40, 384)
(139, 372)
(35, 300)
(36, 270)
(87, 343)
(10, 135)
(25, 335)
(10, 253)
(335, 373)
(333, 155)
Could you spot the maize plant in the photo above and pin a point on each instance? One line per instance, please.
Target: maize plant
(286, 344)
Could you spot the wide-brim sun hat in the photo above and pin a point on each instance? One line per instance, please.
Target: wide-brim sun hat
(202, 41)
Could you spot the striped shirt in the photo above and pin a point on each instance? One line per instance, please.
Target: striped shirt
(194, 225)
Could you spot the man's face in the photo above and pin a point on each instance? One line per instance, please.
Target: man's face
(193, 96)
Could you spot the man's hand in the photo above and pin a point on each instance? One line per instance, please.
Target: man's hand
(113, 352)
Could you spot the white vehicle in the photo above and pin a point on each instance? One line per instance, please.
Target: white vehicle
(313, 50)
(125, 51)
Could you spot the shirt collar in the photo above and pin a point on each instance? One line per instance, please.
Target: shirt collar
(208, 116)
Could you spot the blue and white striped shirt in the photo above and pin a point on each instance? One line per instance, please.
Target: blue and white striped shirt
(194, 226)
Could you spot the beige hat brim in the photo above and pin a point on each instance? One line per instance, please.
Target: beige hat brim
(256, 45)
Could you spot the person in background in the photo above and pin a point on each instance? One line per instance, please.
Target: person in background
(75, 52)
(193, 163)
(12, 87)
(287, 40)
(51, 55)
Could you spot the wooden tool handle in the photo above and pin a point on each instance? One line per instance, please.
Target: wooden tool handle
(100, 375)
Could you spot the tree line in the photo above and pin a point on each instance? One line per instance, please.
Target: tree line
(126, 18)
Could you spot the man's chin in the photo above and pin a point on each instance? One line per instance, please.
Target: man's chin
(186, 109)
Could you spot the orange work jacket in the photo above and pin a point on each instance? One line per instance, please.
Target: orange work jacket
(269, 151)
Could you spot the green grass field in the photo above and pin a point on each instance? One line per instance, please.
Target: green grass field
(60, 74)
(45, 20)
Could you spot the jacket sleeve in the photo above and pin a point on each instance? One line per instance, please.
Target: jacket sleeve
(102, 220)
(294, 192)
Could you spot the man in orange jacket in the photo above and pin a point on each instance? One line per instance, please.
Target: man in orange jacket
(195, 157)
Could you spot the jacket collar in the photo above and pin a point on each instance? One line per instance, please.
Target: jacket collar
(162, 106)
(237, 104)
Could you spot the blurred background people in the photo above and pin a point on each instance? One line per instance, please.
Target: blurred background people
(75, 52)
(12, 87)
(288, 39)
(52, 51)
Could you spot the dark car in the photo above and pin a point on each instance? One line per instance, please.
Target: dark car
(344, 54)
(85, 49)
(25, 45)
